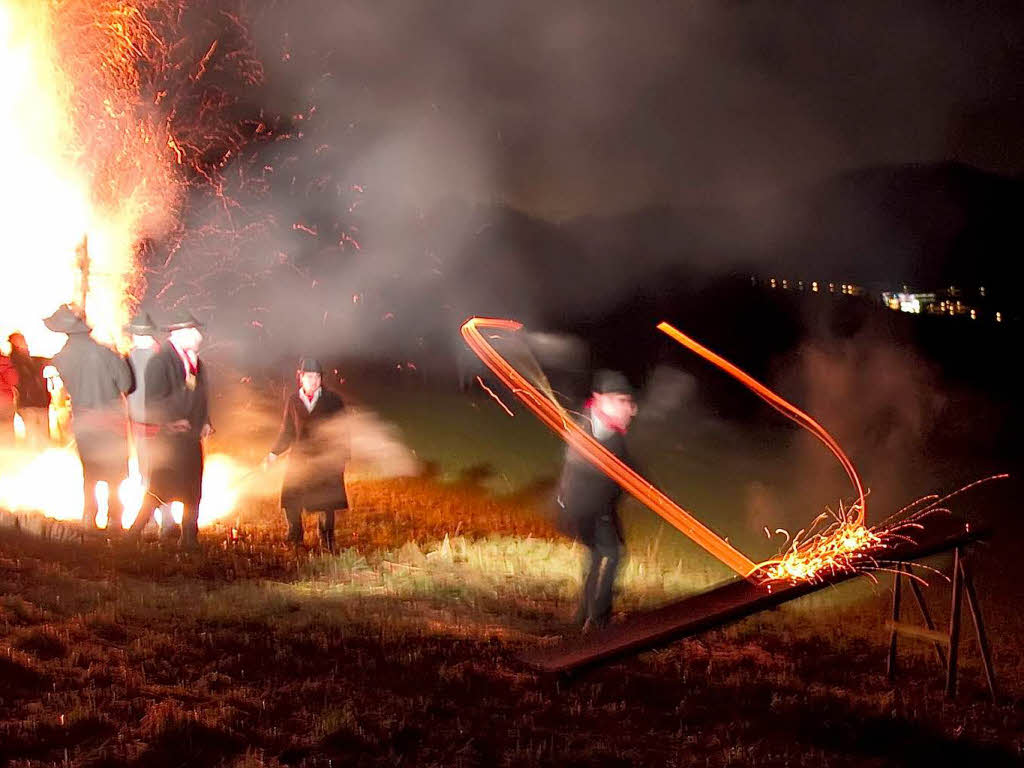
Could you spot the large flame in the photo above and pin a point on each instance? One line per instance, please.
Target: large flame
(85, 176)
(88, 174)
(51, 483)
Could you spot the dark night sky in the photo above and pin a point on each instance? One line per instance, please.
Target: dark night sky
(562, 108)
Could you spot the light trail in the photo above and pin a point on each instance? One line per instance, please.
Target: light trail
(784, 407)
(556, 418)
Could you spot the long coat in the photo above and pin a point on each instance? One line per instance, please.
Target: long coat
(176, 463)
(95, 378)
(32, 391)
(585, 493)
(315, 478)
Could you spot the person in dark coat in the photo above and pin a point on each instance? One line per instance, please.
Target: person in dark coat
(96, 379)
(312, 432)
(588, 499)
(177, 405)
(33, 401)
(8, 391)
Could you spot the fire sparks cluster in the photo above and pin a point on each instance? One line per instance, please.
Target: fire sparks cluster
(834, 543)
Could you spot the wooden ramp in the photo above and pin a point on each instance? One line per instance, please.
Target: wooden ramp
(722, 605)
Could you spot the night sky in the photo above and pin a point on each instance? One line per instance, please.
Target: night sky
(597, 107)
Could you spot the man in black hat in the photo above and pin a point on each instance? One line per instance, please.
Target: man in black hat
(143, 331)
(96, 378)
(588, 499)
(177, 407)
(312, 429)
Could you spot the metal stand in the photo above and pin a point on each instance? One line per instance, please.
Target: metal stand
(946, 644)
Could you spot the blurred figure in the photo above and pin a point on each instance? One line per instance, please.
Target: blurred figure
(144, 348)
(177, 405)
(96, 379)
(8, 389)
(588, 499)
(33, 399)
(315, 480)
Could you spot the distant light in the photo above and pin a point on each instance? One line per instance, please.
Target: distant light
(999, 317)
(974, 315)
(814, 286)
(773, 282)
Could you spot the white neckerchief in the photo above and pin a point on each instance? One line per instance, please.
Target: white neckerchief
(189, 359)
(601, 430)
(311, 402)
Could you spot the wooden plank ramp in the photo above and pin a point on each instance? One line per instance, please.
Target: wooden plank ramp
(724, 604)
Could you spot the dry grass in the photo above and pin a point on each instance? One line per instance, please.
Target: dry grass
(402, 649)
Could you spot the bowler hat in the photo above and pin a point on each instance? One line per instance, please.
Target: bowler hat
(611, 382)
(66, 320)
(310, 365)
(181, 318)
(141, 325)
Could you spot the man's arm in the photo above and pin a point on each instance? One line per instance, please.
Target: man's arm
(286, 434)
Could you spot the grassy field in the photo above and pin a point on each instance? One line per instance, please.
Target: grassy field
(401, 649)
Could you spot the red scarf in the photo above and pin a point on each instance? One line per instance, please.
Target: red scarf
(589, 405)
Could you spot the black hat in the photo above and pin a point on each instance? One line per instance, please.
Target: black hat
(66, 320)
(612, 382)
(310, 365)
(181, 318)
(141, 325)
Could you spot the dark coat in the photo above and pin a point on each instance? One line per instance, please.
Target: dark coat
(32, 391)
(94, 376)
(585, 493)
(316, 463)
(8, 382)
(176, 463)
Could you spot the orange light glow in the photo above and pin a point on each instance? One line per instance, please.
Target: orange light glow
(787, 409)
(811, 554)
(556, 418)
(51, 483)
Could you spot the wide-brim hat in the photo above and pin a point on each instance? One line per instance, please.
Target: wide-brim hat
(181, 318)
(141, 325)
(612, 383)
(310, 365)
(66, 320)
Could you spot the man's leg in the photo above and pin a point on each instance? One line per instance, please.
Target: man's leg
(37, 427)
(592, 570)
(89, 506)
(190, 525)
(149, 505)
(293, 516)
(115, 507)
(327, 529)
(606, 553)
(169, 530)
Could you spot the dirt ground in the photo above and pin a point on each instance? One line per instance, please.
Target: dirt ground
(246, 654)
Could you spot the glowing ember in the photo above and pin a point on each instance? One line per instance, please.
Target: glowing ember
(843, 545)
